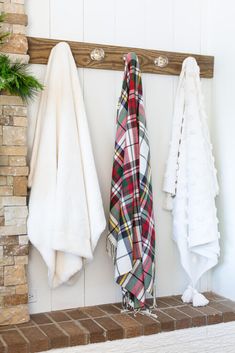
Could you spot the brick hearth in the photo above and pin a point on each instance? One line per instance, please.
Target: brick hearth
(106, 322)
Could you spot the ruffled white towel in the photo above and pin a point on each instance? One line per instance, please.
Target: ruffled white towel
(191, 183)
(66, 216)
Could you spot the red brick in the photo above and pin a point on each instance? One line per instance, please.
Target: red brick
(38, 341)
(3, 347)
(227, 313)
(56, 336)
(130, 326)
(76, 314)
(41, 319)
(171, 301)
(58, 316)
(167, 322)
(118, 305)
(162, 305)
(229, 303)
(150, 325)
(181, 320)
(93, 311)
(212, 296)
(213, 316)
(113, 330)
(109, 309)
(198, 319)
(97, 334)
(77, 334)
(15, 342)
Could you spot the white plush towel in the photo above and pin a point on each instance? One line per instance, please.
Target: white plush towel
(191, 182)
(66, 216)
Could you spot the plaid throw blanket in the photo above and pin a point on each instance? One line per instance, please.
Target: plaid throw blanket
(131, 241)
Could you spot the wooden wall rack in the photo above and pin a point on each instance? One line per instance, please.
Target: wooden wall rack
(110, 57)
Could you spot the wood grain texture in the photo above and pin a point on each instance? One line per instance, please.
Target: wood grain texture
(39, 51)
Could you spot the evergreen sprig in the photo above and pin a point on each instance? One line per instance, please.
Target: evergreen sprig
(3, 35)
(2, 16)
(16, 79)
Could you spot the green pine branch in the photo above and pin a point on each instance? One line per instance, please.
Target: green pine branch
(16, 79)
(2, 17)
(3, 35)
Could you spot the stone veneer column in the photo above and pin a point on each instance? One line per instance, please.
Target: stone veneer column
(13, 179)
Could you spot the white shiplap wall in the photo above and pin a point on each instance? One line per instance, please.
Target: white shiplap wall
(176, 25)
(221, 30)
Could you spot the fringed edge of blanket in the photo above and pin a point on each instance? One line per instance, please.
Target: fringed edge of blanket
(111, 246)
(128, 306)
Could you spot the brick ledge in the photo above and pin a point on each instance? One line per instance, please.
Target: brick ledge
(100, 323)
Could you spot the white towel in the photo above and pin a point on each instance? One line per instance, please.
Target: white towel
(191, 183)
(66, 216)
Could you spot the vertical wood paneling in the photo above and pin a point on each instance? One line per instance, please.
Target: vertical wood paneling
(66, 20)
(99, 21)
(130, 23)
(222, 26)
(159, 24)
(38, 282)
(99, 95)
(69, 295)
(39, 17)
(206, 19)
(167, 25)
(187, 25)
(100, 103)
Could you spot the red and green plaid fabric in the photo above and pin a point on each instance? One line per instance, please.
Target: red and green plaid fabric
(131, 223)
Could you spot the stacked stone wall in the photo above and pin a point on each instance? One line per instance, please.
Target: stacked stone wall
(13, 179)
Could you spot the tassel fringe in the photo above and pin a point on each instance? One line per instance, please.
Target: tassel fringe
(128, 307)
(191, 295)
(187, 296)
(111, 246)
(199, 300)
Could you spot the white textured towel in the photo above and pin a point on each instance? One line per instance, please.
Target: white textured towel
(66, 216)
(191, 183)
